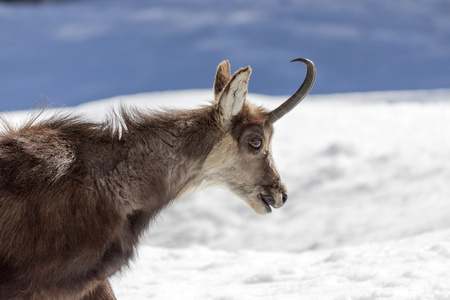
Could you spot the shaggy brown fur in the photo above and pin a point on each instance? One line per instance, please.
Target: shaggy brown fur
(75, 196)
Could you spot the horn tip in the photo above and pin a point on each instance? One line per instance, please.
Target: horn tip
(303, 60)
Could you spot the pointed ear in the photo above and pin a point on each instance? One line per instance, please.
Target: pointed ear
(232, 98)
(223, 75)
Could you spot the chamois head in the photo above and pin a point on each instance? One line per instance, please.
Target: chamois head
(242, 159)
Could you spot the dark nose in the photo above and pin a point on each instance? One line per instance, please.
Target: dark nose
(284, 197)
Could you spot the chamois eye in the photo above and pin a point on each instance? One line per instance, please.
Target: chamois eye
(255, 143)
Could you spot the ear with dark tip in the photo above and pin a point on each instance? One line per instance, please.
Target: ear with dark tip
(232, 98)
(223, 75)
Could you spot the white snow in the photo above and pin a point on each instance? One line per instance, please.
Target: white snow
(415, 268)
(367, 216)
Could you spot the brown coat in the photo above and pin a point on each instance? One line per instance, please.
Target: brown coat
(76, 196)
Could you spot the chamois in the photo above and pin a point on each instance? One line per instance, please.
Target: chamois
(75, 196)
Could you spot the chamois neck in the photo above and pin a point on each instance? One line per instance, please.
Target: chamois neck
(167, 151)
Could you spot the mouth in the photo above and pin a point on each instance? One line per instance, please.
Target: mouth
(266, 200)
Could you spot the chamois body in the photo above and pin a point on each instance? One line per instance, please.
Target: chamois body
(76, 196)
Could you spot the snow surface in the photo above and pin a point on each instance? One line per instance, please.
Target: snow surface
(367, 217)
(407, 269)
(69, 52)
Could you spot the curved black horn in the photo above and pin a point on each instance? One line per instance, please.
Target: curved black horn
(298, 96)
